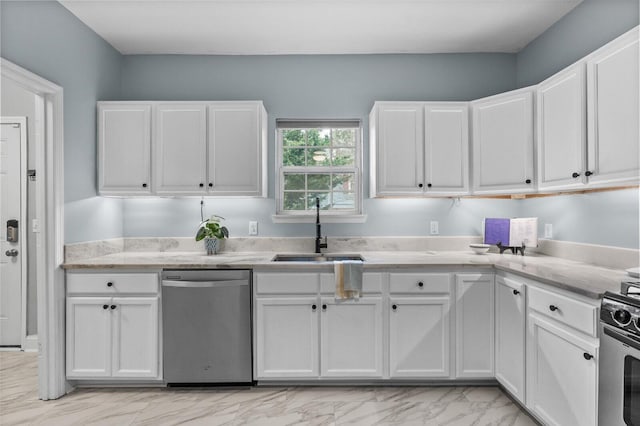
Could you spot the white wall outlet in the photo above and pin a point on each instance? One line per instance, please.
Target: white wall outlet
(253, 228)
(548, 230)
(433, 226)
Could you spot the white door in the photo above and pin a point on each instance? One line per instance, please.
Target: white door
(88, 337)
(563, 376)
(474, 325)
(562, 129)
(351, 338)
(135, 336)
(613, 111)
(12, 261)
(400, 148)
(503, 143)
(180, 144)
(446, 148)
(510, 335)
(419, 337)
(235, 148)
(287, 337)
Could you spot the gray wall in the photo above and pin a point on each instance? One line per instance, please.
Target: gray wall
(45, 38)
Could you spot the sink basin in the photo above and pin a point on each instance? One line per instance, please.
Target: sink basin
(315, 257)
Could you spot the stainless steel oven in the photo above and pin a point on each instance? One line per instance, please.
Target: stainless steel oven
(619, 389)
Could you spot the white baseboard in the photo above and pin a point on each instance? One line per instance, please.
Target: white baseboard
(30, 343)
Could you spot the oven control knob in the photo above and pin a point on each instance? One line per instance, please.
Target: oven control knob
(622, 317)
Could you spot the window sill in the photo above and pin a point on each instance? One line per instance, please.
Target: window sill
(311, 218)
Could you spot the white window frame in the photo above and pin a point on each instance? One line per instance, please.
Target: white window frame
(327, 216)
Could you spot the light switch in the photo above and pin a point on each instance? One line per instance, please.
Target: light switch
(253, 228)
(548, 230)
(434, 227)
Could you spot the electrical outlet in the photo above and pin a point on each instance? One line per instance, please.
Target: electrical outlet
(548, 230)
(434, 227)
(253, 228)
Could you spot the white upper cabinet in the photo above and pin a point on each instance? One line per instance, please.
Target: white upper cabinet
(419, 148)
(562, 132)
(124, 148)
(613, 113)
(180, 148)
(237, 149)
(503, 143)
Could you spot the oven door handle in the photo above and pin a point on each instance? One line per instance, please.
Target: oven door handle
(622, 338)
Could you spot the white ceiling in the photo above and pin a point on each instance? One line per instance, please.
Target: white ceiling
(264, 27)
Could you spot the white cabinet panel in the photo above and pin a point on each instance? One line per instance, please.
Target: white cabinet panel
(510, 335)
(135, 336)
(474, 325)
(287, 337)
(351, 338)
(446, 148)
(613, 112)
(124, 148)
(419, 337)
(88, 339)
(180, 146)
(562, 379)
(235, 149)
(503, 143)
(562, 129)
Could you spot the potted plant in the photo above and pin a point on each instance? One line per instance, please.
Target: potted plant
(211, 231)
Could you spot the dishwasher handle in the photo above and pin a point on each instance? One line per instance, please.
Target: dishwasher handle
(204, 284)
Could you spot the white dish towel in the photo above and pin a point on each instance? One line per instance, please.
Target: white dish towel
(348, 275)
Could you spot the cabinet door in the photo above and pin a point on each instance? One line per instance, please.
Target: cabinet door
(236, 149)
(399, 148)
(351, 338)
(562, 377)
(135, 336)
(613, 113)
(562, 110)
(124, 148)
(510, 336)
(180, 146)
(88, 337)
(503, 143)
(474, 325)
(287, 337)
(419, 337)
(446, 148)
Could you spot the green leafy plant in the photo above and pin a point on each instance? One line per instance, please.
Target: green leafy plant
(211, 228)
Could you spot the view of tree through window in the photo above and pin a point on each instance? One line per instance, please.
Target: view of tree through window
(319, 162)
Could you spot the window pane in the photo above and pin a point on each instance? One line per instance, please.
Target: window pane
(324, 200)
(294, 181)
(294, 137)
(318, 157)
(344, 156)
(294, 201)
(293, 157)
(343, 182)
(344, 137)
(343, 200)
(319, 182)
(318, 137)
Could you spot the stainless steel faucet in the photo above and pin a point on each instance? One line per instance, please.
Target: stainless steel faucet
(319, 243)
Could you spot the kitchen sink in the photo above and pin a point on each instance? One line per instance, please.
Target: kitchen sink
(315, 257)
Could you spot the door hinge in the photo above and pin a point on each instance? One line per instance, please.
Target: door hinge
(31, 173)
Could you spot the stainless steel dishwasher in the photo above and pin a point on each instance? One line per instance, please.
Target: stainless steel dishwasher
(206, 316)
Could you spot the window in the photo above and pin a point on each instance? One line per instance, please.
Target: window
(319, 159)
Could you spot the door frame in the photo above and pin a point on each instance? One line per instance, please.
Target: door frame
(22, 229)
(50, 214)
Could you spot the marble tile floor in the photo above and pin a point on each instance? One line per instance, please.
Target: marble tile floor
(434, 405)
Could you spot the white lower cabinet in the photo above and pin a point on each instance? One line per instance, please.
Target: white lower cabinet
(89, 322)
(510, 335)
(562, 376)
(351, 338)
(419, 337)
(287, 337)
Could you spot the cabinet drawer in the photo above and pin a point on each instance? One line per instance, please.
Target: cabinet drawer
(112, 283)
(371, 283)
(573, 313)
(419, 283)
(287, 283)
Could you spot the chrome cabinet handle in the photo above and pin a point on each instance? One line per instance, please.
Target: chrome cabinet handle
(11, 253)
